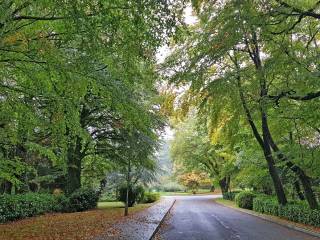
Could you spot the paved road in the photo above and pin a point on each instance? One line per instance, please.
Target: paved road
(199, 218)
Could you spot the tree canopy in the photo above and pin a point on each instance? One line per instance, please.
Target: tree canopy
(77, 89)
(251, 69)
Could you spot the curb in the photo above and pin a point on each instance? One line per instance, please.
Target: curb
(268, 219)
(164, 216)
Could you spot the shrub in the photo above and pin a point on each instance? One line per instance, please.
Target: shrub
(150, 197)
(230, 195)
(245, 199)
(81, 200)
(136, 194)
(13, 207)
(62, 203)
(296, 212)
(171, 187)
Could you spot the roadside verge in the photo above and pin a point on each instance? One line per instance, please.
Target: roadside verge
(285, 223)
(163, 218)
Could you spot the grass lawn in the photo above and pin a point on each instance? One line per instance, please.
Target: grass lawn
(226, 202)
(67, 226)
(106, 205)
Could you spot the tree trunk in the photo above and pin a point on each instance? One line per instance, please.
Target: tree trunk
(264, 144)
(74, 167)
(274, 175)
(126, 209)
(308, 191)
(297, 188)
(304, 179)
(103, 184)
(254, 53)
(224, 185)
(278, 186)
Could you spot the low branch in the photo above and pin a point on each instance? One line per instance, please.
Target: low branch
(289, 95)
(43, 18)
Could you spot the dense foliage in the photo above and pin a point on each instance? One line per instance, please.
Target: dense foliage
(245, 199)
(78, 96)
(18, 206)
(150, 197)
(135, 194)
(230, 195)
(13, 207)
(243, 93)
(82, 199)
(293, 211)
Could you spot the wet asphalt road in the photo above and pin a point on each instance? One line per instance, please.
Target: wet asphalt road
(199, 218)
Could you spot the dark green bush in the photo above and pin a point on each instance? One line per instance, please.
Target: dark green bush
(13, 207)
(230, 195)
(245, 199)
(136, 194)
(296, 212)
(62, 203)
(81, 200)
(150, 197)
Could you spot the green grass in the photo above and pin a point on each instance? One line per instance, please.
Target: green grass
(103, 205)
(117, 205)
(226, 202)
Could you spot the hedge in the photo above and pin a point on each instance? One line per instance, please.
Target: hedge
(296, 212)
(230, 195)
(14, 207)
(245, 199)
(82, 200)
(150, 197)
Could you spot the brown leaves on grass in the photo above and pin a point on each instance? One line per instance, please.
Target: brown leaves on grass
(66, 226)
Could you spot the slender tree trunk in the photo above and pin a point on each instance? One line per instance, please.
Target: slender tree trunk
(304, 179)
(272, 170)
(126, 209)
(254, 52)
(297, 188)
(6, 187)
(264, 144)
(103, 184)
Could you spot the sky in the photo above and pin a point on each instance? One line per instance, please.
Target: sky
(164, 51)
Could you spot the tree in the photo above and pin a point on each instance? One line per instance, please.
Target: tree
(233, 59)
(192, 180)
(76, 78)
(193, 150)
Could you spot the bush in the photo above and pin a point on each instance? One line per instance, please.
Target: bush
(296, 212)
(150, 197)
(230, 195)
(13, 207)
(62, 203)
(81, 200)
(171, 187)
(136, 194)
(245, 199)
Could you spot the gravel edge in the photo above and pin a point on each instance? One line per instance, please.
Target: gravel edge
(163, 218)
